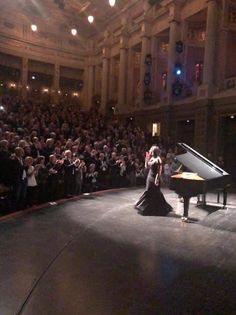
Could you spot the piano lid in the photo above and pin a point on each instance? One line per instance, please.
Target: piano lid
(197, 163)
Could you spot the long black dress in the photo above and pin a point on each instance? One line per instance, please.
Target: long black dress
(152, 201)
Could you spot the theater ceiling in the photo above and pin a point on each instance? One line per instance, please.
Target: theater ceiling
(62, 15)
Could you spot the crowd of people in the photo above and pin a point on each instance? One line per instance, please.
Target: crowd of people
(48, 152)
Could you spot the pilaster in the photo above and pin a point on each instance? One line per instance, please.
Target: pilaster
(56, 83)
(90, 82)
(146, 49)
(174, 34)
(207, 88)
(112, 78)
(122, 71)
(105, 69)
(24, 77)
(130, 76)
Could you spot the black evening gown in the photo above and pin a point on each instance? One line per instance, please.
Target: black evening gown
(152, 201)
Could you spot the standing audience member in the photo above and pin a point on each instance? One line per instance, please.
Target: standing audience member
(91, 179)
(102, 171)
(18, 179)
(53, 168)
(42, 179)
(113, 175)
(80, 170)
(31, 181)
(4, 161)
(69, 174)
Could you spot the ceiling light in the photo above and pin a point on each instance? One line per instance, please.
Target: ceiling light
(90, 19)
(33, 77)
(34, 28)
(74, 31)
(112, 2)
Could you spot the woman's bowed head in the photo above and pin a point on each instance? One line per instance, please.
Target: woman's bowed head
(152, 156)
(154, 151)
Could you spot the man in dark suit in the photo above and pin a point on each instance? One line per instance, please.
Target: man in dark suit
(18, 178)
(69, 174)
(4, 162)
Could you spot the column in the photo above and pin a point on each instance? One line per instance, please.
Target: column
(122, 80)
(222, 58)
(207, 88)
(84, 94)
(90, 85)
(210, 43)
(130, 76)
(145, 50)
(154, 82)
(24, 77)
(185, 26)
(104, 92)
(173, 35)
(97, 79)
(56, 83)
(112, 78)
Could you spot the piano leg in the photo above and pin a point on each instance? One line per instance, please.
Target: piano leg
(225, 197)
(201, 200)
(186, 206)
(204, 199)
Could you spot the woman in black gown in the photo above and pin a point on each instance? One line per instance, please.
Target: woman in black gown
(152, 201)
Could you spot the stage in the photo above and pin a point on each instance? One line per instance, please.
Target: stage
(96, 256)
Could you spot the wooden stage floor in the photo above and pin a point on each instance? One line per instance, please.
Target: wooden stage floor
(97, 256)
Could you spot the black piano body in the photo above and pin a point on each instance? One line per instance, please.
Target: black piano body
(206, 176)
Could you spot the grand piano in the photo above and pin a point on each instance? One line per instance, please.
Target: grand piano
(202, 176)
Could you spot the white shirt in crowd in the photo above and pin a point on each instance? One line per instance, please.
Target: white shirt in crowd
(31, 180)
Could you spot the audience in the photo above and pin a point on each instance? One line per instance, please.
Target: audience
(53, 151)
